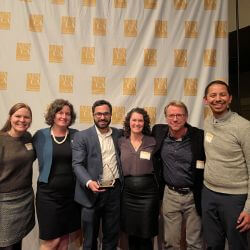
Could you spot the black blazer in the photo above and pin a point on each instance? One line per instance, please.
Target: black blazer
(160, 131)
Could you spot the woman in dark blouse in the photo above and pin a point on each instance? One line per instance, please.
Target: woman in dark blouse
(57, 212)
(17, 213)
(140, 198)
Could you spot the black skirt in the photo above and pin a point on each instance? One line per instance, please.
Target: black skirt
(57, 212)
(140, 206)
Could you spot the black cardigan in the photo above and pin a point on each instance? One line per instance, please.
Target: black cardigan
(160, 131)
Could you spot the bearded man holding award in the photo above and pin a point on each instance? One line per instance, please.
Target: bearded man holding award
(97, 167)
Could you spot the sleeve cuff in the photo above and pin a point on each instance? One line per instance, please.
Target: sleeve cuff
(87, 184)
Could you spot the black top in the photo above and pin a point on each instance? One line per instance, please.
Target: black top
(61, 175)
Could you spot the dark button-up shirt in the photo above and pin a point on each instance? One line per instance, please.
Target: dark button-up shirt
(177, 161)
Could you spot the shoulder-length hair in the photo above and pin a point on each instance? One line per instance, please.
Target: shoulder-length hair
(55, 107)
(7, 126)
(126, 124)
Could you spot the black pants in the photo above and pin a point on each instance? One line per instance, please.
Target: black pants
(219, 217)
(107, 211)
(17, 246)
(138, 243)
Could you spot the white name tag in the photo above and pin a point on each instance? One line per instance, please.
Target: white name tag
(209, 137)
(28, 146)
(200, 164)
(145, 155)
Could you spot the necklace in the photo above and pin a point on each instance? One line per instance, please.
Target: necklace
(56, 141)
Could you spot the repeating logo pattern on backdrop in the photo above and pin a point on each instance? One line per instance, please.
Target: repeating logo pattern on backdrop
(119, 50)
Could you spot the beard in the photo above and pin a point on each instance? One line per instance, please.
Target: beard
(102, 126)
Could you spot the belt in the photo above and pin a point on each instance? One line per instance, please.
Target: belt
(183, 191)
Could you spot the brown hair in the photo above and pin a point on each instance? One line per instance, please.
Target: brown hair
(56, 106)
(146, 128)
(7, 126)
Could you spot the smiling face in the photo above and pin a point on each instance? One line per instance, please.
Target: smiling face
(102, 117)
(136, 123)
(20, 121)
(63, 117)
(176, 118)
(218, 99)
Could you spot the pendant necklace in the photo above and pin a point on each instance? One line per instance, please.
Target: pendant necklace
(55, 140)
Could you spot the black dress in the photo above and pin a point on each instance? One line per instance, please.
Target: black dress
(57, 212)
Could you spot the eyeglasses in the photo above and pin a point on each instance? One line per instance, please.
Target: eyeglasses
(177, 116)
(99, 114)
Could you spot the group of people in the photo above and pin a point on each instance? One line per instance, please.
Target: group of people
(116, 178)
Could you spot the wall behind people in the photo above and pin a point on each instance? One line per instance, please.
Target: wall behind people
(143, 52)
(132, 53)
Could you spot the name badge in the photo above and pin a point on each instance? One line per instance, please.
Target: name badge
(28, 146)
(145, 155)
(209, 137)
(200, 164)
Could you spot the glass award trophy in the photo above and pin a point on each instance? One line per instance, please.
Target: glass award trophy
(106, 183)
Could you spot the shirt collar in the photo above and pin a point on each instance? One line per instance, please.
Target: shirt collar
(105, 134)
(182, 138)
(223, 118)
